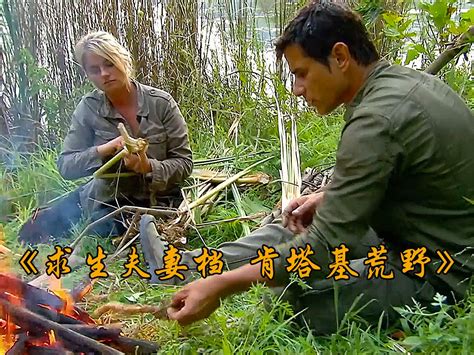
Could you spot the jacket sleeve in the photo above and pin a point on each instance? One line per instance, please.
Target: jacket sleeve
(178, 164)
(79, 156)
(364, 164)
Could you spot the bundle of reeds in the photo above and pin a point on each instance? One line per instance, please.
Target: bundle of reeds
(290, 159)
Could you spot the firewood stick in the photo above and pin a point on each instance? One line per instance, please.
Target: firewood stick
(158, 212)
(19, 346)
(135, 346)
(5, 250)
(135, 218)
(62, 332)
(96, 332)
(125, 344)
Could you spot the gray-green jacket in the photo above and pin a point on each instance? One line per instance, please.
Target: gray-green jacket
(404, 167)
(95, 121)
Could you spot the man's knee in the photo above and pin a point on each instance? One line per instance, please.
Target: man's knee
(332, 305)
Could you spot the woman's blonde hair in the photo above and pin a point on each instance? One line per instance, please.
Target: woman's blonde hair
(105, 45)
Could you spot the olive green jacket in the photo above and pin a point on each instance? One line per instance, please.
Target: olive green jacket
(404, 167)
(95, 121)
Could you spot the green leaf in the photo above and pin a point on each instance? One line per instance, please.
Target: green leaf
(412, 54)
(439, 9)
(439, 13)
(134, 297)
(434, 336)
(226, 348)
(413, 341)
(420, 48)
(391, 19)
(451, 338)
(468, 16)
(469, 200)
(405, 325)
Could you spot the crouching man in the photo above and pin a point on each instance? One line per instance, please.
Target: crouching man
(404, 172)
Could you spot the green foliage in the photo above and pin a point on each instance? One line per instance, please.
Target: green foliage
(443, 329)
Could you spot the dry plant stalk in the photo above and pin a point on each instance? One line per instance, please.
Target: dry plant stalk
(132, 309)
(3, 249)
(218, 177)
(224, 184)
(132, 145)
(290, 160)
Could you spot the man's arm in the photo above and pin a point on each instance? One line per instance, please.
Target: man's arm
(365, 161)
(201, 298)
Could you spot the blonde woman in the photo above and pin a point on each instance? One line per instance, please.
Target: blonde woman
(93, 138)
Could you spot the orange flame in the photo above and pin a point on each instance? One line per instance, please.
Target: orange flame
(5, 253)
(52, 337)
(86, 290)
(56, 288)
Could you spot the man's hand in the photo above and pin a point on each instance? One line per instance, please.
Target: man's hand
(299, 213)
(200, 298)
(196, 301)
(111, 147)
(138, 162)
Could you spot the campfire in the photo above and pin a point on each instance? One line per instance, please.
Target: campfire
(34, 321)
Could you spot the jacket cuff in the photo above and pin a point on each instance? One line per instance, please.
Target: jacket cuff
(156, 175)
(94, 160)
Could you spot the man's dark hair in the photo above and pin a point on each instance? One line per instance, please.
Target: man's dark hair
(320, 25)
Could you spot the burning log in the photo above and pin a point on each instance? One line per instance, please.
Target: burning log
(40, 301)
(19, 345)
(134, 346)
(94, 332)
(125, 344)
(23, 316)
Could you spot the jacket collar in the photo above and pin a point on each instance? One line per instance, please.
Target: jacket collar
(351, 106)
(107, 110)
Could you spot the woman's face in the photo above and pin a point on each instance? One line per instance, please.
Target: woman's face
(103, 73)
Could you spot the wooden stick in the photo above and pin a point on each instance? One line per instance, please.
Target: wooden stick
(93, 331)
(19, 346)
(135, 218)
(135, 346)
(157, 212)
(462, 43)
(119, 251)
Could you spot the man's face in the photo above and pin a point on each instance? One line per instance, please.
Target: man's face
(103, 74)
(322, 88)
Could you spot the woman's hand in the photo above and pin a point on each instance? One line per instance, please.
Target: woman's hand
(137, 162)
(111, 147)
